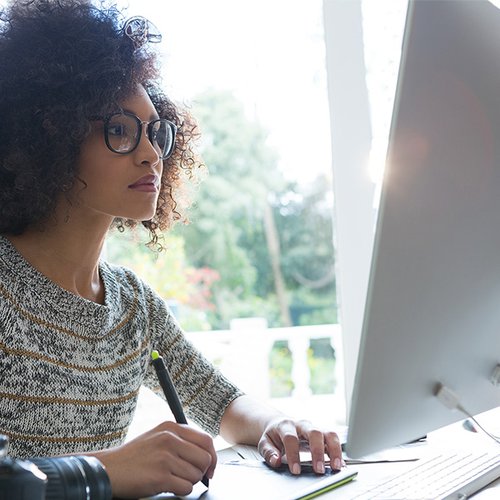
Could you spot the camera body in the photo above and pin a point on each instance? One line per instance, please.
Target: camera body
(59, 478)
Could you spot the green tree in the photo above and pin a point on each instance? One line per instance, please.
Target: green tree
(231, 201)
(270, 240)
(305, 223)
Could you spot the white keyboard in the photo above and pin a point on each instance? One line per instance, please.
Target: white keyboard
(452, 476)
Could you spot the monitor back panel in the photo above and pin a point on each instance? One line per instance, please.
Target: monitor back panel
(433, 303)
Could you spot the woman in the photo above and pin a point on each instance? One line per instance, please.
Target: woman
(89, 141)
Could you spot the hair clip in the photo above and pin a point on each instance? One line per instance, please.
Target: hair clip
(140, 30)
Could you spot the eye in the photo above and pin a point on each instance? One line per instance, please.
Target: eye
(117, 129)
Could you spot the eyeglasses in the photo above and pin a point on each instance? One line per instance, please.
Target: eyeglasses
(122, 133)
(140, 30)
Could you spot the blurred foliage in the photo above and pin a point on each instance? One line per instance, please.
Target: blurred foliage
(227, 231)
(186, 289)
(166, 271)
(321, 360)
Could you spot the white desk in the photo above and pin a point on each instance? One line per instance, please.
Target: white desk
(370, 475)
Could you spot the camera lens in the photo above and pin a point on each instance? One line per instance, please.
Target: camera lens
(75, 477)
(21, 480)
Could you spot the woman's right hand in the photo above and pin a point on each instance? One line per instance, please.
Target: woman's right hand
(170, 457)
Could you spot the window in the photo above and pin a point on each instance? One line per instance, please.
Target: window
(257, 261)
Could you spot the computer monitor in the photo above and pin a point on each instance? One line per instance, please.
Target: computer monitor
(432, 314)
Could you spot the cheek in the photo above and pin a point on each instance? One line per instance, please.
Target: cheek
(96, 164)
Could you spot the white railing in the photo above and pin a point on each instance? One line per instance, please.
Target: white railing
(242, 354)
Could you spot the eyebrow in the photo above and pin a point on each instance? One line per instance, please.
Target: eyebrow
(153, 116)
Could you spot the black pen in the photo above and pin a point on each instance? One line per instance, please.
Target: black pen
(170, 393)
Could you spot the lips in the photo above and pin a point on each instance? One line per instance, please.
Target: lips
(146, 183)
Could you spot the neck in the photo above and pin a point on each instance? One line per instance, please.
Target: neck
(68, 254)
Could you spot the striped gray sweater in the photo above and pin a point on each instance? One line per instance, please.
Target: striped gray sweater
(71, 369)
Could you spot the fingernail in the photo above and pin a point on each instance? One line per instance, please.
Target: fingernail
(320, 467)
(337, 464)
(273, 460)
(296, 469)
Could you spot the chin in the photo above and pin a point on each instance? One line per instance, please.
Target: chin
(139, 215)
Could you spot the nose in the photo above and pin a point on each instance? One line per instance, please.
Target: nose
(145, 150)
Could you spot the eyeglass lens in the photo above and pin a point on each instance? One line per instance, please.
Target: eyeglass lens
(123, 134)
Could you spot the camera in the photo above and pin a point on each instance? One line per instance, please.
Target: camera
(60, 478)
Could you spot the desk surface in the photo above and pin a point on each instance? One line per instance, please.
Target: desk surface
(370, 475)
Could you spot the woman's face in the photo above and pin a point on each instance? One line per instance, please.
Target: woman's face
(120, 185)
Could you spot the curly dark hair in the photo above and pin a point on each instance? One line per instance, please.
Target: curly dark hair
(62, 62)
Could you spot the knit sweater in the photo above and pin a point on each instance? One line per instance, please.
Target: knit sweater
(71, 369)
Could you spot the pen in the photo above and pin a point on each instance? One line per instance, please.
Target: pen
(170, 393)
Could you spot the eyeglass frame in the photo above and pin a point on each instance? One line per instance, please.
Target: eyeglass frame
(140, 125)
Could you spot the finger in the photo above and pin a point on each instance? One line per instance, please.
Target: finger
(191, 434)
(195, 455)
(199, 438)
(177, 464)
(333, 449)
(316, 441)
(290, 439)
(176, 485)
(270, 450)
(205, 442)
(185, 470)
(180, 449)
(211, 469)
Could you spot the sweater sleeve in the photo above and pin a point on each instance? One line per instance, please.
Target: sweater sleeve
(204, 392)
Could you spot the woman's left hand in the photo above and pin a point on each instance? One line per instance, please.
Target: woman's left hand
(284, 436)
